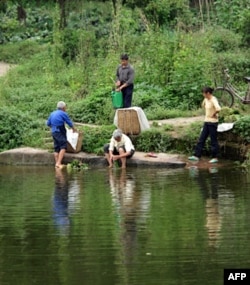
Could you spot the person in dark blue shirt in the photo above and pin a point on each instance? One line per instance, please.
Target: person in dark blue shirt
(56, 122)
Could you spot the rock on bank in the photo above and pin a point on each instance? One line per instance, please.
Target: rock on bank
(33, 156)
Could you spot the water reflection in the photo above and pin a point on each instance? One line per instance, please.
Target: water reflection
(60, 202)
(208, 185)
(131, 207)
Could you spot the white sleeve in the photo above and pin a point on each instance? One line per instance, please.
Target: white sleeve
(111, 144)
(128, 144)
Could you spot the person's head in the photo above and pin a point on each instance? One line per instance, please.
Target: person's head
(117, 134)
(124, 59)
(207, 91)
(61, 105)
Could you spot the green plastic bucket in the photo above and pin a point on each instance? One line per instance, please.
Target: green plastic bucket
(117, 99)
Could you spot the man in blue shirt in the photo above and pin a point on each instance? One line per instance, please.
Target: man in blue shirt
(56, 122)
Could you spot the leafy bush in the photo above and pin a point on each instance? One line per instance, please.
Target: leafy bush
(93, 109)
(38, 25)
(228, 115)
(153, 140)
(245, 27)
(94, 138)
(17, 128)
(238, 63)
(242, 128)
(222, 39)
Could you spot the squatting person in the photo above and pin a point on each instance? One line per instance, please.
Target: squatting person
(120, 147)
(125, 80)
(212, 108)
(56, 122)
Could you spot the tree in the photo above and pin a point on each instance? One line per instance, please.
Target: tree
(63, 14)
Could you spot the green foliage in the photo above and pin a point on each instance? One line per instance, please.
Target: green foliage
(238, 62)
(228, 115)
(189, 137)
(77, 165)
(20, 51)
(93, 109)
(245, 27)
(168, 127)
(222, 39)
(242, 128)
(228, 12)
(153, 140)
(37, 26)
(17, 128)
(94, 138)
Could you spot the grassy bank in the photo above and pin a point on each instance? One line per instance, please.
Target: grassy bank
(75, 64)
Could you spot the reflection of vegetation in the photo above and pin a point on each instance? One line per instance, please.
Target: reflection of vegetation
(171, 242)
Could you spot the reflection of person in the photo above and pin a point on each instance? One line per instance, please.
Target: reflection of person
(60, 201)
(209, 190)
(212, 108)
(125, 80)
(56, 122)
(127, 202)
(120, 147)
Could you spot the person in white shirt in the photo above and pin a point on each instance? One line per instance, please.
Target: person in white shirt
(120, 147)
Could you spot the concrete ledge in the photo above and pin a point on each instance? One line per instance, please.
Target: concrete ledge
(26, 156)
(32, 156)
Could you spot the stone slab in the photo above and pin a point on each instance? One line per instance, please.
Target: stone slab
(33, 156)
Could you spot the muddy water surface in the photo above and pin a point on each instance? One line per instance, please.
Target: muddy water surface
(122, 227)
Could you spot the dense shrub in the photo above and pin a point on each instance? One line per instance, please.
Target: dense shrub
(93, 109)
(153, 140)
(94, 138)
(38, 25)
(222, 39)
(242, 128)
(17, 128)
(245, 27)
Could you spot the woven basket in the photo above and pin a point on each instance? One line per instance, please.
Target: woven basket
(128, 121)
(78, 146)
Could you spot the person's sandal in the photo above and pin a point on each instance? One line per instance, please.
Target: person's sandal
(193, 158)
(213, 160)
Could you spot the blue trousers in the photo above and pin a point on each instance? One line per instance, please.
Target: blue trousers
(209, 129)
(127, 93)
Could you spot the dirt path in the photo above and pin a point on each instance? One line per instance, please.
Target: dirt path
(4, 67)
(179, 121)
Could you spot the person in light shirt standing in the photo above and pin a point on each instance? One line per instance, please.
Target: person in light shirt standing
(212, 108)
(120, 147)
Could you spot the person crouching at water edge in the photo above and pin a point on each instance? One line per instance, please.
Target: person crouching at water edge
(120, 147)
(212, 108)
(56, 122)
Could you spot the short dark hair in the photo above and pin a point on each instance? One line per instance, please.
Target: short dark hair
(207, 89)
(124, 56)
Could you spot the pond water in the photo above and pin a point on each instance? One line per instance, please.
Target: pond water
(134, 226)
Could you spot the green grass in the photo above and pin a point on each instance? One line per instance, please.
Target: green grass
(20, 51)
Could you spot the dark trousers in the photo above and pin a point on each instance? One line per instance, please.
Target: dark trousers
(127, 93)
(209, 129)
